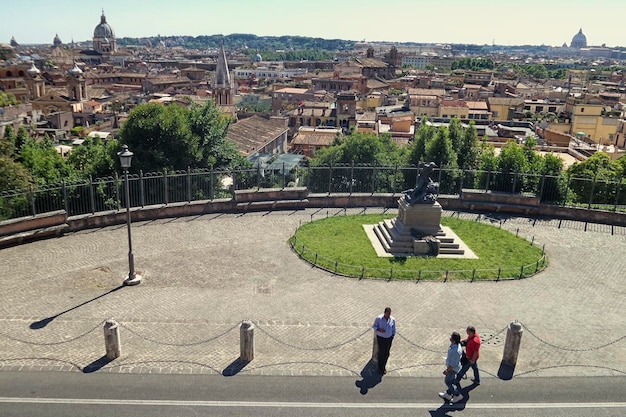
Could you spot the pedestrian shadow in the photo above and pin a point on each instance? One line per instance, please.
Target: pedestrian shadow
(450, 408)
(40, 324)
(97, 365)
(235, 367)
(370, 377)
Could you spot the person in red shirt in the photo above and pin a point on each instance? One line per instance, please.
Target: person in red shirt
(472, 351)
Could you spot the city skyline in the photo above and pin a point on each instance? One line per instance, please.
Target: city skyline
(533, 22)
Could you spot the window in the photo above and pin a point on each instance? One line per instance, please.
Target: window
(582, 109)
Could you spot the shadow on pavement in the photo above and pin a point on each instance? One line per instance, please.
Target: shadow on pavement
(235, 367)
(370, 377)
(447, 407)
(40, 324)
(506, 371)
(97, 365)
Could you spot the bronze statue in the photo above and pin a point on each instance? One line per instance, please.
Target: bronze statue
(426, 190)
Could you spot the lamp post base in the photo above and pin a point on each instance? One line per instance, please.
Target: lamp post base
(132, 280)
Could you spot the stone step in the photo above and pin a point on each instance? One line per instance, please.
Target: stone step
(446, 251)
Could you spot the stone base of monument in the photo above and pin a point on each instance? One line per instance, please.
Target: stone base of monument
(417, 231)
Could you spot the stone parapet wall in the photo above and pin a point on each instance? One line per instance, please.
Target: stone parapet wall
(55, 223)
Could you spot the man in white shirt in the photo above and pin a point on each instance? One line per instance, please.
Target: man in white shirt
(385, 328)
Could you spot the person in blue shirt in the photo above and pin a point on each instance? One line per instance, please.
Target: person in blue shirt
(453, 366)
(385, 328)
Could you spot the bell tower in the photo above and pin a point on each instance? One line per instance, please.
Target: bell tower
(222, 88)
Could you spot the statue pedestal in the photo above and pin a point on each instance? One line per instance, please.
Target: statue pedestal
(425, 218)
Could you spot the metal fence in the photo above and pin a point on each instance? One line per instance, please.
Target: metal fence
(107, 194)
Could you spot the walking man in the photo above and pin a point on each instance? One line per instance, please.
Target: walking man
(472, 351)
(385, 327)
(453, 365)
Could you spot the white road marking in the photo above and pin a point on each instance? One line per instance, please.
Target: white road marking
(278, 404)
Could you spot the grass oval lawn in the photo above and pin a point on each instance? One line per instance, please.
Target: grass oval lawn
(340, 244)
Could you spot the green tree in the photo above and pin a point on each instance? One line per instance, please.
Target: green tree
(357, 149)
(13, 175)
(596, 178)
(44, 163)
(160, 138)
(94, 157)
(455, 133)
(467, 157)
(22, 137)
(209, 125)
(173, 137)
(7, 143)
(417, 149)
(440, 151)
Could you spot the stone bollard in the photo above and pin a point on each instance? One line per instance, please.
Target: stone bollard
(512, 344)
(112, 339)
(375, 349)
(246, 341)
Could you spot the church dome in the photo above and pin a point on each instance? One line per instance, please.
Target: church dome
(579, 40)
(33, 70)
(103, 30)
(257, 58)
(75, 71)
(57, 40)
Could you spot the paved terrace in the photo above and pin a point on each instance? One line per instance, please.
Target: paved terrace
(203, 275)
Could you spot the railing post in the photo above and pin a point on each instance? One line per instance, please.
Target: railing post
(487, 180)
(308, 179)
(165, 196)
(351, 177)
(188, 184)
(374, 179)
(514, 181)
(619, 187)
(461, 183)
(543, 182)
(31, 194)
(330, 178)
(211, 183)
(142, 189)
(258, 174)
(284, 176)
(593, 188)
(569, 178)
(65, 202)
(118, 199)
(92, 199)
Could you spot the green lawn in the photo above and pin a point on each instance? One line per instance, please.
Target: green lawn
(339, 244)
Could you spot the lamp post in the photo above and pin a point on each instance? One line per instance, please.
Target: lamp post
(125, 158)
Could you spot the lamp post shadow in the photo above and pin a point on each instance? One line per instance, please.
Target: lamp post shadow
(40, 324)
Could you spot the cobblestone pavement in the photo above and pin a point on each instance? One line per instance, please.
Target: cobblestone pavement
(203, 275)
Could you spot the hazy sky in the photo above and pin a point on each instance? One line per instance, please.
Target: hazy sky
(505, 22)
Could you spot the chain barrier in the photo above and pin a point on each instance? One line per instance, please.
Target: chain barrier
(179, 344)
(52, 343)
(311, 349)
(571, 349)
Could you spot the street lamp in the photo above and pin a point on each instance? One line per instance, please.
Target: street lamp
(125, 157)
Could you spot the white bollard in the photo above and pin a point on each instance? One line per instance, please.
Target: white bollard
(246, 341)
(512, 344)
(112, 343)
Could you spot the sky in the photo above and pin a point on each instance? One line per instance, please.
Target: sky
(504, 22)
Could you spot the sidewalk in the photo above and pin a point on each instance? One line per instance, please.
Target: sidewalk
(203, 275)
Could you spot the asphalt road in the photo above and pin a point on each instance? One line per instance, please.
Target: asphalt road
(108, 394)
